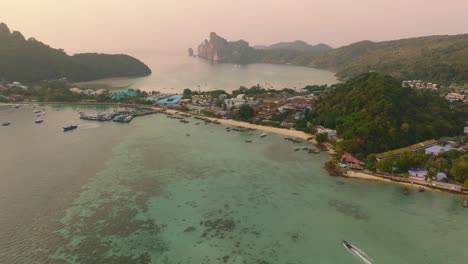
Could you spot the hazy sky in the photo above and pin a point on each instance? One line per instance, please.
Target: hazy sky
(174, 25)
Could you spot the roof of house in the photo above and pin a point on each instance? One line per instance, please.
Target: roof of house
(436, 149)
(418, 173)
(350, 158)
(171, 100)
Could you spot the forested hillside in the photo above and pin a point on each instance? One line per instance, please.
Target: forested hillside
(439, 59)
(30, 60)
(373, 113)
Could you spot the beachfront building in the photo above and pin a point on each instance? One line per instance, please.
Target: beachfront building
(240, 100)
(352, 162)
(422, 175)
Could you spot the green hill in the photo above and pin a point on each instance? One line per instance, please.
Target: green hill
(373, 114)
(30, 60)
(441, 59)
(297, 45)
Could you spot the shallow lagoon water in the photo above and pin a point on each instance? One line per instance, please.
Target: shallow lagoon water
(145, 193)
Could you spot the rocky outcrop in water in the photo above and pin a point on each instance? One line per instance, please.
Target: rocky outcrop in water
(190, 52)
(218, 49)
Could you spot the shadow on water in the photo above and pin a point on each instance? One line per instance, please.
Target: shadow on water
(348, 209)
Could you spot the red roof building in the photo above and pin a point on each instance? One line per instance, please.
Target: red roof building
(352, 162)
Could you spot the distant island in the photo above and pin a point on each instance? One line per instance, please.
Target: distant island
(440, 59)
(29, 60)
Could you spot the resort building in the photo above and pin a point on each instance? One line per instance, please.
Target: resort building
(422, 175)
(418, 84)
(352, 162)
(454, 97)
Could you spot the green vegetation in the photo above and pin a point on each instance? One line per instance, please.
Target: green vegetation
(300, 46)
(439, 59)
(31, 61)
(258, 90)
(453, 163)
(460, 169)
(187, 94)
(373, 114)
(245, 112)
(321, 137)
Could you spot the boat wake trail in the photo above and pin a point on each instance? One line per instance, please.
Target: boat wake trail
(89, 125)
(359, 254)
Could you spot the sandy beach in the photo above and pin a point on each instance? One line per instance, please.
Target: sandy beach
(282, 131)
(367, 176)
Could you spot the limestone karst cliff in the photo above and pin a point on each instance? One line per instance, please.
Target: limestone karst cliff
(218, 49)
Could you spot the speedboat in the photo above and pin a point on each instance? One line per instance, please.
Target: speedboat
(70, 127)
(6, 123)
(347, 245)
(263, 135)
(38, 121)
(357, 252)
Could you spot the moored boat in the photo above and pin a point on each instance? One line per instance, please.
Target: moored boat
(70, 127)
(263, 135)
(38, 121)
(7, 123)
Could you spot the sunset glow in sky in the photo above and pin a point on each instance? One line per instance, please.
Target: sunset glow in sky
(120, 25)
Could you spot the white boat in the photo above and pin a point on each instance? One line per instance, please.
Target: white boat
(7, 123)
(37, 111)
(38, 121)
(263, 135)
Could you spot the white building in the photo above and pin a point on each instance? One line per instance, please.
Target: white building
(89, 92)
(76, 90)
(101, 91)
(454, 97)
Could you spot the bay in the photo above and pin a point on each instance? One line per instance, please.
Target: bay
(174, 73)
(145, 192)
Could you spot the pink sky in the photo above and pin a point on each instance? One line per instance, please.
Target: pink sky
(175, 25)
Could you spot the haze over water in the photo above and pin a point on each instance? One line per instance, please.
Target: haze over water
(174, 72)
(145, 193)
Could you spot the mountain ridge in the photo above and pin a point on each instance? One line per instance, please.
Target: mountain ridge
(29, 60)
(438, 58)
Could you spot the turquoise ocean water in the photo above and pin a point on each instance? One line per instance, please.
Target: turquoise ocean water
(145, 192)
